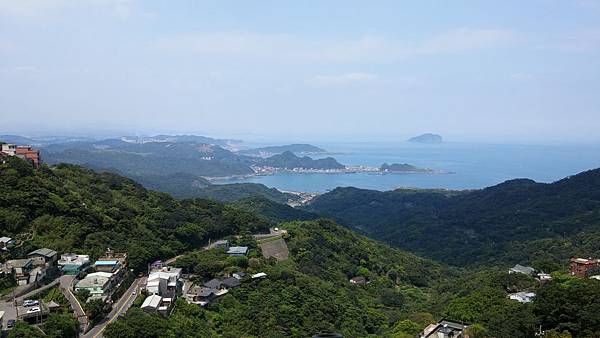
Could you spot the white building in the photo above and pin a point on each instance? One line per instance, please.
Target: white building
(98, 284)
(164, 282)
(522, 297)
(156, 303)
(71, 263)
(9, 149)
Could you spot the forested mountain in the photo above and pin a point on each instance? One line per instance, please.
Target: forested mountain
(288, 160)
(271, 210)
(237, 191)
(152, 158)
(69, 208)
(476, 226)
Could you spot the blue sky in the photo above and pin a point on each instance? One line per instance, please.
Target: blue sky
(498, 71)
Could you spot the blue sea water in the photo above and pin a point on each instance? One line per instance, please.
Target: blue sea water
(473, 165)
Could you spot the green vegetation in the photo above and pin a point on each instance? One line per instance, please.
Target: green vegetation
(516, 221)
(68, 208)
(404, 167)
(287, 160)
(237, 191)
(310, 292)
(272, 211)
(71, 209)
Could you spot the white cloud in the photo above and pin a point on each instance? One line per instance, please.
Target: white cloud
(293, 48)
(343, 79)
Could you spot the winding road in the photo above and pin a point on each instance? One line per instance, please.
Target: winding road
(119, 308)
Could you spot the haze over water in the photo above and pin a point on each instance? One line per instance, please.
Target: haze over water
(473, 165)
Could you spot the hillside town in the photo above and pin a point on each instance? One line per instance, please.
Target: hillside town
(108, 281)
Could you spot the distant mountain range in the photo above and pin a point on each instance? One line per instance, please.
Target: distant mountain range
(299, 149)
(426, 138)
(179, 164)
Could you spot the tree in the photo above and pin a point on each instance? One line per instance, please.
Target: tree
(61, 325)
(24, 330)
(476, 331)
(94, 308)
(407, 327)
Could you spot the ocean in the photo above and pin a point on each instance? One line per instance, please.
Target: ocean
(473, 166)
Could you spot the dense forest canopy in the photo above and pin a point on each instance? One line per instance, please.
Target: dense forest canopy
(480, 226)
(69, 208)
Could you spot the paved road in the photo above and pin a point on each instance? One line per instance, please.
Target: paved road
(119, 308)
(66, 287)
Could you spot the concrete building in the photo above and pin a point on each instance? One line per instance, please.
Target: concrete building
(72, 264)
(583, 267)
(522, 297)
(238, 251)
(518, 268)
(32, 155)
(444, 329)
(110, 266)
(99, 285)
(50, 256)
(165, 282)
(157, 304)
(27, 270)
(8, 149)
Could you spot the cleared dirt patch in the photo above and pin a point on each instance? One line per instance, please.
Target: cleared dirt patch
(275, 248)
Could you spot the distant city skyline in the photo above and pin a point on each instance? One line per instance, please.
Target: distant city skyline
(503, 72)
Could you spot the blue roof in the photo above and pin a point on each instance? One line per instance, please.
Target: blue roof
(106, 263)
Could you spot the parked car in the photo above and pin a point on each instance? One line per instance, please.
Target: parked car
(10, 323)
(30, 302)
(34, 309)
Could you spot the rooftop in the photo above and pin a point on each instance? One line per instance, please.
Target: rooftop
(259, 275)
(43, 252)
(152, 301)
(106, 263)
(100, 274)
(214, 283)
(240, 250)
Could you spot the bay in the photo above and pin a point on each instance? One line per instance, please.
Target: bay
(473, 166)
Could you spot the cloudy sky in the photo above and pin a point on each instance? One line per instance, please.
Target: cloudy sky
(499, 71)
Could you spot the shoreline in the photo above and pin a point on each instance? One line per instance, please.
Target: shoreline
(268, 171)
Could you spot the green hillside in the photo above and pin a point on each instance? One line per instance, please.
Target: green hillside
(237, 191)
(475, 227)
(273, 211)
(69, 208)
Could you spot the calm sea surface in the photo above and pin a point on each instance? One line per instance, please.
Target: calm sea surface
(474, 165)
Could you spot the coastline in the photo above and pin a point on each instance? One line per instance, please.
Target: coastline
(267, 171)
